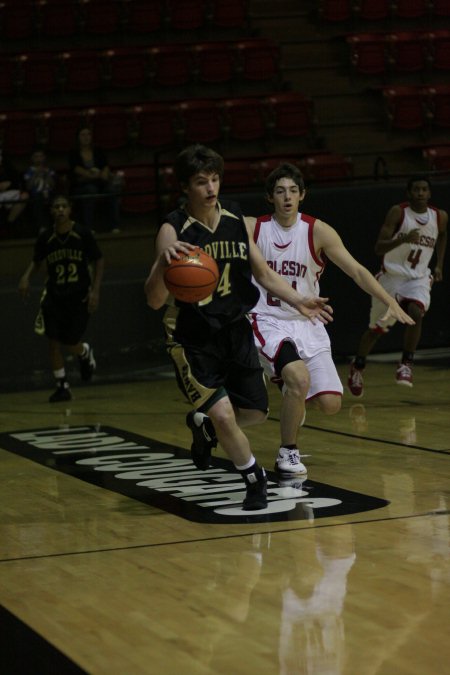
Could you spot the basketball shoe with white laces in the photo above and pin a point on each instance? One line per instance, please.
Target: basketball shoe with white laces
(404, 374)
(355, 381)
(289, 462)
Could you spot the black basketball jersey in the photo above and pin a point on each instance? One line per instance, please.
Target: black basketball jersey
(68, 257)
(235, 294)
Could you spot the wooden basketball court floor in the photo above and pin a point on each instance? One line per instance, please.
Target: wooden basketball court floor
(348, 574)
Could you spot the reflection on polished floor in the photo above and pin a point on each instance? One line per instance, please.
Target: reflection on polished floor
(108, 563)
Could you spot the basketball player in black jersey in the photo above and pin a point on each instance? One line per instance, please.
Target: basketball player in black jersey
(70, 295)
(211, 342)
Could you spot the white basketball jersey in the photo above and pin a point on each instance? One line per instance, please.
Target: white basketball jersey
(411, 261)
(290, 253)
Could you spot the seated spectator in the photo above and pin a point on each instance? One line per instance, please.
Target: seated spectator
(90, 177)
(13, 199)
(40, 182)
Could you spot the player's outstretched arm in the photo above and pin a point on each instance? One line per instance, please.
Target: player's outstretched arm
(328, 240)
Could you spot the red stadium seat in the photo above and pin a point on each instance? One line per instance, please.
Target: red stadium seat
(439, 49)
(139, 192)
(8, 76)
(258, 60)
(199, 121)
(143, 16)
(244, 119)
(439, 102)
(18, 131)
(335, 10)
(406, 108)
(230, 13)
(17, 20)
(441, 7)
(372, 10)
(154, 125)
(240, 174)
(186, 14)
(267, 164)
(58, 18)
(291, 114)
(110, 126)
(368, 53)
(170, 65)
(438, 157)
(83, 70)
(61, 127)
(213, 62)
(126, 68)
(410, 9)
(407, 51)
(327, 167)
(39, 73)
(100, 17)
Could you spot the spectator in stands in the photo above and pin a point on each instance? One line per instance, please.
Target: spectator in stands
(91, 176)
(40, 182)
(13, 199)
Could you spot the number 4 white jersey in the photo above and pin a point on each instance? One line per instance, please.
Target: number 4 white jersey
(411, 261)
(290, 252)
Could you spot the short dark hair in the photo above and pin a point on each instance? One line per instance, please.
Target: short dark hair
(197, 158)
(416, 179)
(61, 196)
(284, 170)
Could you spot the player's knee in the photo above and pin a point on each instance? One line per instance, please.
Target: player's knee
(296, 380)
(330, 404)
(247, 418)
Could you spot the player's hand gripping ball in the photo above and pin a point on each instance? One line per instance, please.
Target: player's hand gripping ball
(193, 277)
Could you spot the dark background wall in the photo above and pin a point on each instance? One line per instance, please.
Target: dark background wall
(128, 336)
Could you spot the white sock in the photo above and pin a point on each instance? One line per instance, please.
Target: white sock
(246, 466)
(59, 374)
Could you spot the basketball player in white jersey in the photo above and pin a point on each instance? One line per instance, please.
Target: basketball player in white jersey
(296, 354)
(411, 233)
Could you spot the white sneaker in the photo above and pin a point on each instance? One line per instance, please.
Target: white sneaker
(288, 461)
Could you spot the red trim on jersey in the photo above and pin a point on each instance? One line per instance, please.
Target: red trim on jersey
(259, 221)
(438, 215)
(257, 334)
(310, 221)
(379, 330)
(403, 206)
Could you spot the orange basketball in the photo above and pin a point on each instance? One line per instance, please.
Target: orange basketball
(193, 277)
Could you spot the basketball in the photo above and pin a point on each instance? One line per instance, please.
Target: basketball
(193, 277)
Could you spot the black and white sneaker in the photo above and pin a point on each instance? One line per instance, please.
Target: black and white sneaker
(204, 440)
(256, 496)
(87, 365)
(61, 393)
